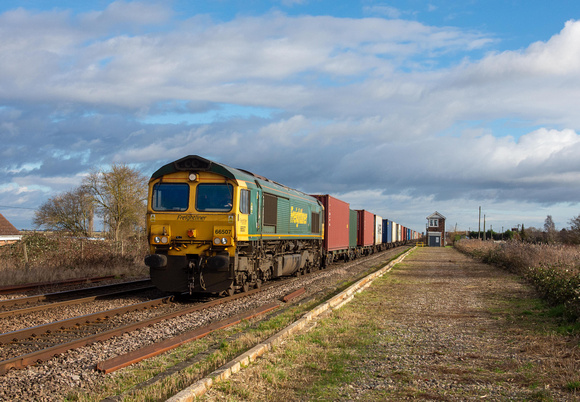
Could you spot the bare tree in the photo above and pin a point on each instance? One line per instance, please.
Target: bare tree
(550, 229)
(71, 211)
(120, 196)
(573, 234)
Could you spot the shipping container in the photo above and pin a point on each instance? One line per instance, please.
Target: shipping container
(336, 222)
(378, 230)
(353, 229)
(365, 228)
(387, 232)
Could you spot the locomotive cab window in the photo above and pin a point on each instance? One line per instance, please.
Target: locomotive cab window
(214, 197)
(245, 201)
(170, 197)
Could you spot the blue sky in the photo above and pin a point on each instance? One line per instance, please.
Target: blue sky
(399, 107)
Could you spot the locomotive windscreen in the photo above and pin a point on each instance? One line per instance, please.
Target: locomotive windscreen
(170, 197)
(214, 197)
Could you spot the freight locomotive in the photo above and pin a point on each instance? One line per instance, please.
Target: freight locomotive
(216, 229)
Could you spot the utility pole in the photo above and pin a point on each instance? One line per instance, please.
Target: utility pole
(483, 227)
(479, 225)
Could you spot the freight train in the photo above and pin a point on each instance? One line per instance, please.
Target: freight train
(216, 229)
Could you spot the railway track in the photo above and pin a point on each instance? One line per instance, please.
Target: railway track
(4, 290)
(60, 376)
(27, 346)
(11, 307)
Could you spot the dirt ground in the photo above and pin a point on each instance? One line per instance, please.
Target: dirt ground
(439, 326)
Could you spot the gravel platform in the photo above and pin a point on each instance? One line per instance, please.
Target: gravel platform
(445, 328)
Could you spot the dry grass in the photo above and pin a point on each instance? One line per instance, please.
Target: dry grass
(40, 257)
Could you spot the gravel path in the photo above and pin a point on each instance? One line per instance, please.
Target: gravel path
(445, 327)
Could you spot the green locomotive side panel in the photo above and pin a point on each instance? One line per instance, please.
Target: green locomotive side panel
(283, 225)
(300, 217)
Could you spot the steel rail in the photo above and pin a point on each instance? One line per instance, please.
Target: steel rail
(17, 288)
(293, 295)
(23, 361)
(78, 321)
(67, 293)
(116, 363)
(42, 307)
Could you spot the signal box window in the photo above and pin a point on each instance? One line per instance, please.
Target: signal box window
(245, 201)
(433, 222)
(214, 197)
(170, 197)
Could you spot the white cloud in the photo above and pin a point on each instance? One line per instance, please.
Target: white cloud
(367, 108)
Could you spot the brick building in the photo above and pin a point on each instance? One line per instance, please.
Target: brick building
(436, 230)
(8, 233)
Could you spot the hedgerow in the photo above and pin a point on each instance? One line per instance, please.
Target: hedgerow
(44, 257)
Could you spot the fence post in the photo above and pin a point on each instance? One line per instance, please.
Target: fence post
(26, 266)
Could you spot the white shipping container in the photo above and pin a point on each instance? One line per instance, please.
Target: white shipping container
(378, 230)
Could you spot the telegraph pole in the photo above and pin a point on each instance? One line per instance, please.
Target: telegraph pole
(479, 226)
(484, 227)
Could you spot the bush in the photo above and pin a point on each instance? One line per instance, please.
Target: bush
(41, 257)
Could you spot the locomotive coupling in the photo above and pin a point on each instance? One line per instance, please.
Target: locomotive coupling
(156, 261)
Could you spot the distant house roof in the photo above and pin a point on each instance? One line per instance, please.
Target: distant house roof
(6, 228)
(435, 215)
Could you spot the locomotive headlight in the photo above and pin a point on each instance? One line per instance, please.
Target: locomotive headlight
(224, 240)
(164, 240)
(216, 240)
(192, 177)
(157, 239)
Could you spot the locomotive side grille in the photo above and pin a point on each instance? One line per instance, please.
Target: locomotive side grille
(315, 222)
(270, 210)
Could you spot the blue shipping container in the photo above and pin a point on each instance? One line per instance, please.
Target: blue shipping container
(387, 231)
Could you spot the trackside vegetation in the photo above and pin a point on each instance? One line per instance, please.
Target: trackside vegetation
(553, 269)
(51, 257)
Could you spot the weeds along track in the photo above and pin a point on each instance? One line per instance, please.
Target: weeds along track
(107, 333)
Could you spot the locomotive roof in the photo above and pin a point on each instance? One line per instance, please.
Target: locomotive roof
(195, 163)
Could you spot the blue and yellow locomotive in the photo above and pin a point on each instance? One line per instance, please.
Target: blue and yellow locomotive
(216, 229)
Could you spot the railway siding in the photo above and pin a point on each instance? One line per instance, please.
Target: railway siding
(440, 326)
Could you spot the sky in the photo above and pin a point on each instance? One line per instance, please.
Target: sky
(402, 108)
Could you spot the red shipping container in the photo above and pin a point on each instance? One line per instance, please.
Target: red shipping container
(336, 221)
(366, 228)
